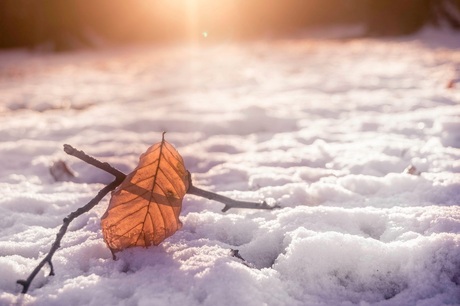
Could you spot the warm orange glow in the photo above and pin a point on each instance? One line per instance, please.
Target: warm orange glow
(192, 20)
(201, 18)
(78, 22)
(215, 19)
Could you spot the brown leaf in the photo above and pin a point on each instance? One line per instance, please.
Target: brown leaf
(61, 172)
(144, 210)
(411, 170)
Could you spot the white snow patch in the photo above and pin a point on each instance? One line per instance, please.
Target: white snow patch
(323, 127)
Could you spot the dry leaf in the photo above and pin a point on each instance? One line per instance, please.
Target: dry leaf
(61, 172)
(144, 210)
(411, 170)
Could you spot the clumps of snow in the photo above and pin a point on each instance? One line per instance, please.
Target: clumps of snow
(449, 127)
(325, 129)
(353, 268)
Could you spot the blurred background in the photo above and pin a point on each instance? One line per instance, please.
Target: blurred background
(58, 25)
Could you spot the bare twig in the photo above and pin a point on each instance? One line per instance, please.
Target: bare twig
(229, 203)
(236, 253)
(119, 177)
(57, 243)
(92, 161)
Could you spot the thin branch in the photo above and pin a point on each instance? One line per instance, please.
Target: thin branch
(236, 253)
(119, 177)
(229, 203)
(92, 161)
(57, 243)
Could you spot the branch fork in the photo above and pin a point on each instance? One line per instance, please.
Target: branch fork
(119, 178)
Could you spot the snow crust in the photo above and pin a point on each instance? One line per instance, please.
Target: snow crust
(324, 128)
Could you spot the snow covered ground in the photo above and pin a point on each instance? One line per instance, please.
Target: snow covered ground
(323, 127)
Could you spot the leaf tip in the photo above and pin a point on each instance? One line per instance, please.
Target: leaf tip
(163, 136)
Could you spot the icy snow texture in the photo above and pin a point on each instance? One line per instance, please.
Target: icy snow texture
(324, 128)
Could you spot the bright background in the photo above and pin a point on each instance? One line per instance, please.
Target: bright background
(81, 23)
(322, 120)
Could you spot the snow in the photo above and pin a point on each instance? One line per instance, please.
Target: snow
(324, 128)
